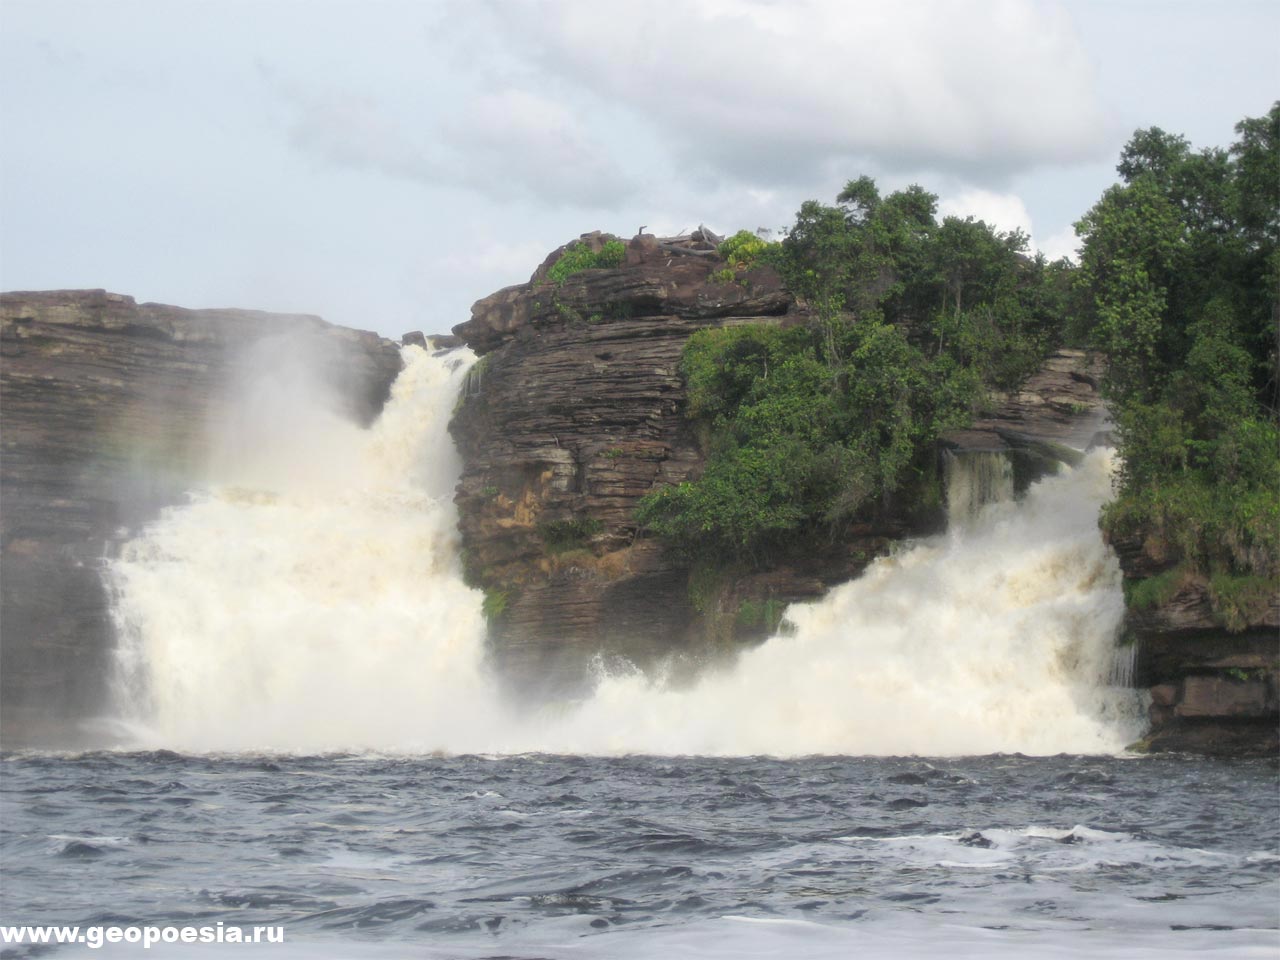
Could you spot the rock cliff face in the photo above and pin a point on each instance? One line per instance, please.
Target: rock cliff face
(105, 404)
(1213, 689)
(574, 413)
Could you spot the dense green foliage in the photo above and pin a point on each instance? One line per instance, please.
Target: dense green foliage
(743, 249)
(578, 257)
(810, 428)
(913, 320)
(1180, 268)
(957, 287)
(495, 604)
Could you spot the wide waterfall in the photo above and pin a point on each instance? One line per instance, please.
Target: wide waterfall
(309, 598)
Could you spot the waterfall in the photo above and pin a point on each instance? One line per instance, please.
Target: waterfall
(973, 480)
(997, 641)
(309, 598)
(1124, 658)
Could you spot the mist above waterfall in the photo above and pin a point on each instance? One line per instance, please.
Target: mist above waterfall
(310, 598)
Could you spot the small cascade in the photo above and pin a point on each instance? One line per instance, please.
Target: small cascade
(973, 480)
(1123, 658)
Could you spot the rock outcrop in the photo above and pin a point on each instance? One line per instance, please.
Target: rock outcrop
(104, 407)
(1215, 687)
(575, 411)
(572, 414)
(1056, 414)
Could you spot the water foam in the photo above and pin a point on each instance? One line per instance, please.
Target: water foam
(282, 610)
(995, 638)
(311, 599)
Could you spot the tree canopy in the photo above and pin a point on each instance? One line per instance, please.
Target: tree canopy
(914, 320)
(1180, 267)
(812, 427)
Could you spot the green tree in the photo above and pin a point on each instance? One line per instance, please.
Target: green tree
(812, 428)
(1179, 273)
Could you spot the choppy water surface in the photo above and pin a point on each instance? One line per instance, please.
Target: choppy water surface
(554, 856)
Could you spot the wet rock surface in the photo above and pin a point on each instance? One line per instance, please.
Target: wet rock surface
(574, 413)
(1056, 414)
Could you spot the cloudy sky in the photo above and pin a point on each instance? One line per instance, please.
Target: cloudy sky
(386, 163)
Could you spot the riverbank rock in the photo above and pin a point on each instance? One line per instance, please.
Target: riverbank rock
(105, 403)
(1056, 414)
(1213, 689)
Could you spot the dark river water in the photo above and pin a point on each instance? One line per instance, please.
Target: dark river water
(564, 856)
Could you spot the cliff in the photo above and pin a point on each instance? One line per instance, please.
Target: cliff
(572, 414)
(105, 404)
(575, 412)
(1214, 681)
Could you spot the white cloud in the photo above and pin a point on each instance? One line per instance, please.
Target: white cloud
(1004, 211)
(774, 92)
(503, 262)
(1063, 243)
(348, 130)
(515, 141)
(507, 145)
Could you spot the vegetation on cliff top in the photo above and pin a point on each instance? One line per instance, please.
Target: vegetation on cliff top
(579, 256)
(1180, 269)
(812, 428)
(913, 320)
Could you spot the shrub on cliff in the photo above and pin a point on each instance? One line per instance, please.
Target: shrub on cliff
(578, 257)
(1180, 267)
(744, 248)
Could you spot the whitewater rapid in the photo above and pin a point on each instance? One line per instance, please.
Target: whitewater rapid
(309, 598)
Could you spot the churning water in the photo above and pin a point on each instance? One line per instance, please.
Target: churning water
(313, 601)
(296, 642)
(610, 858)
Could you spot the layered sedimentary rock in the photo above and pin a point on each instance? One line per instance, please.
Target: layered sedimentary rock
(572, 415)
(575, 412)
(105, 405)
(1058, 412)
(1215, 686)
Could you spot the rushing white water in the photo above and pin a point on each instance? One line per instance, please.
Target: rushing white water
(998, 637)
(312, 598)
(320, 607)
